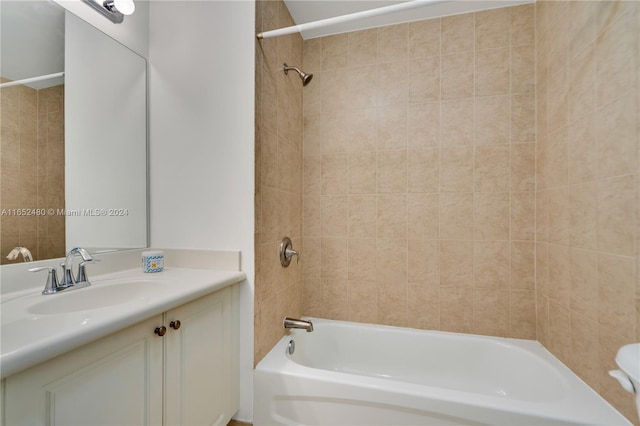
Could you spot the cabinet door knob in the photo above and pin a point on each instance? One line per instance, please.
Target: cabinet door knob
(175, 324)
(160, 331)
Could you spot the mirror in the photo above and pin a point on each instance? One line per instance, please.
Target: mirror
(73, 159)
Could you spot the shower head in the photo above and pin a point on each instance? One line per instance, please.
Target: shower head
(306, 78)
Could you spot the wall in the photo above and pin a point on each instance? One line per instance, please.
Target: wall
(278, 175)
(419, 174)
(587, 177)
(32, 168)
(201, 89)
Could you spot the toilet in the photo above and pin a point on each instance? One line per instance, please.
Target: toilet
(628, 359)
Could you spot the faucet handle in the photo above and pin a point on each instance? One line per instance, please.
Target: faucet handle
(81, 278)
(67, 276)
(287, 252)
(52, 285)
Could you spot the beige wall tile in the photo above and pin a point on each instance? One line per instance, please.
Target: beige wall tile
(424, 264)
(312, 175)
(522, 24)
(492, 168)
(457, 123)
(457, 33)
(617, 137)
(582, 84)
(456, 309)
(335, 174)
(492, 28)
(582, 150)
(392, 216)
(584, 349)
(423, 216)
(363, 47)
(559, 274)
(491, 260)
(392, 303)
(456, 264)
(362, 173)
(522, 323)
(583, 220)
(423, 306)
(456, 216)
(362, 259)
(542, 269)
(560, 332)
(334, 299)
(584, 283)
(333, 259)
(392, 128)
(362, 130)
(523, 69)
(492, 72)
(617, 215)
(616, 308)
(392, 172)
(393, 43)
(492, 120)
(457, 75)
(311, 247)
(335, 51)
(424, 38)
(523, 125)
(391, 260)
(617, 59)
(392, 84)
(523, 273)
(523, 216)
(363, 301)
(311, 217)
(423, 121)
(335, 210)
(424, 79)
(423, 171)
(456, 169)
(363, 216)
(523, 167)
(491, 312)
(491, 216)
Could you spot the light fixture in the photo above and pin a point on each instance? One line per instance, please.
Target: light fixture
(114, 10)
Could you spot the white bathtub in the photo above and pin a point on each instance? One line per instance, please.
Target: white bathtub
(356, 374)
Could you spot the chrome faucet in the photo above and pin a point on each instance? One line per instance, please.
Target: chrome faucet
(297, 323)
(26, 254)
(67, 278)
(54, 286)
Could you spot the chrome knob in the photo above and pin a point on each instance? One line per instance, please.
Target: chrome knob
(160, 331)
(175, 324)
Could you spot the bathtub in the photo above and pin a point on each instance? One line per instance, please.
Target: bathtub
(357, 374)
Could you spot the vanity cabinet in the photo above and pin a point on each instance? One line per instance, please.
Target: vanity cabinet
(177, 368)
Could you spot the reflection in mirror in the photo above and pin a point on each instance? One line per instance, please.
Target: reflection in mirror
(73, 152)
(32, 134)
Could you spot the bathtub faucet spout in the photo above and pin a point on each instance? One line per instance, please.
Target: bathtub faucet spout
(297, 323)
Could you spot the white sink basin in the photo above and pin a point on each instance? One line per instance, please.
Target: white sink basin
(95, 297)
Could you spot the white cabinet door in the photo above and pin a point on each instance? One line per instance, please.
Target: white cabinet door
(201, 361)
(114, 381)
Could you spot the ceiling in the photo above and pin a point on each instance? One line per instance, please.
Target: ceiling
(304, 11)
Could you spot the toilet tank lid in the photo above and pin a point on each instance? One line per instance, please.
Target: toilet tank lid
(628, 359)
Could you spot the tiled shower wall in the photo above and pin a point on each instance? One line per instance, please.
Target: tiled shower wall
(278, 290)
(419, 174)
(32, 170)
(588, 292)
